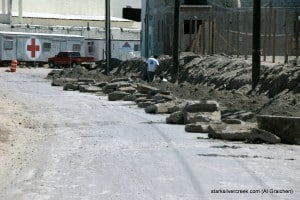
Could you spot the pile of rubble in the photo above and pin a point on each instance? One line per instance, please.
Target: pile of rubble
(198, 116)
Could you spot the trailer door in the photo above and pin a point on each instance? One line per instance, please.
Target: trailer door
(55, 49)
(9, 49)
(20, 49)
(63, 46)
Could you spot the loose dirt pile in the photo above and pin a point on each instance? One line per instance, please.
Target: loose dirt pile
(217, 77)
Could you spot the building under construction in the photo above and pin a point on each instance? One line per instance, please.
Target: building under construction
(214, 26)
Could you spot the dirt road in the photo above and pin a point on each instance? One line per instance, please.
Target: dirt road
(68, 145)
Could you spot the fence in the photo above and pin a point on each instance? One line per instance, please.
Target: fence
(230, 32)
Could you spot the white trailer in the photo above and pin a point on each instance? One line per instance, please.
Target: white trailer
(36, 47)
(120, 49)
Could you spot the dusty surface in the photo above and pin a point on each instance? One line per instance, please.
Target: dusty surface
(68, 145)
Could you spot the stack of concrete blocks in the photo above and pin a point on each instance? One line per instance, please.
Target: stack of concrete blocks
(205, 117)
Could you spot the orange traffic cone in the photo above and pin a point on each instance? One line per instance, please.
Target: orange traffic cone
(13, 65)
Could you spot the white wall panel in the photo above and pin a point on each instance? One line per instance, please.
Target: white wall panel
(74, 7)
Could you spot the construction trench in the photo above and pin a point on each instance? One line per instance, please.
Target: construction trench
(212, 94)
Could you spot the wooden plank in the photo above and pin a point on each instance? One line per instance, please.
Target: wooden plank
(297, 35)
(265, 38)
(270, 30)
(274, 36)
(204, 38)
(238, 34)
(196, 37)
(198, 40)
(228, 39)
(214, 36)
(247, 39)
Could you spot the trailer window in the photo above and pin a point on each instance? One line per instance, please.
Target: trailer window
(76, 47)
(75, 54)
(46, 46)
(8, 45)
(136, 47)
(91, 47)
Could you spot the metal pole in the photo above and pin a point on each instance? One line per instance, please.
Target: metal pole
(4, 10)
(9, 8)
(147, 30)
(107, 35)
(21, 11)
(256, 43)
(176, 38)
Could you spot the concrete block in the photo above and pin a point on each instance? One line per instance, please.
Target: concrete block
(197, 128)
(233, 121)
(176, 118)
(101, 84)
(86, 80)
(190, 118)
(234, 132)
(117, 95)
(264, 136)
(202, 106)
(129, 97)
(130, 90)
(287, 128)
(159, 97)
(111, 86)
(150, 109)
(145, 104)
(120, 80)
(62, 81)
(89, 89)
(146, 89)
(116, 85)
(179, 106)
(142, 99)
(71, 86)
(138, 95)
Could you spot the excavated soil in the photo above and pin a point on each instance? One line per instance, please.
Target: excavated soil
(222, 78)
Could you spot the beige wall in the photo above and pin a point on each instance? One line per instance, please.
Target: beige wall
(74, 7)
(70, 12)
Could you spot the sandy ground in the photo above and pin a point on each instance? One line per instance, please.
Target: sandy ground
(67, 145)
(19, 130)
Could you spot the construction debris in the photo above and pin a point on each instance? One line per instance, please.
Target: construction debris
(211, 95)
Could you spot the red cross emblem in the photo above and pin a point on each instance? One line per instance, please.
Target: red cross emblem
(33, 48)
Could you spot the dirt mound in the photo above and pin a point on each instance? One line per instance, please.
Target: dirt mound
(278, 78)
(220, 72)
